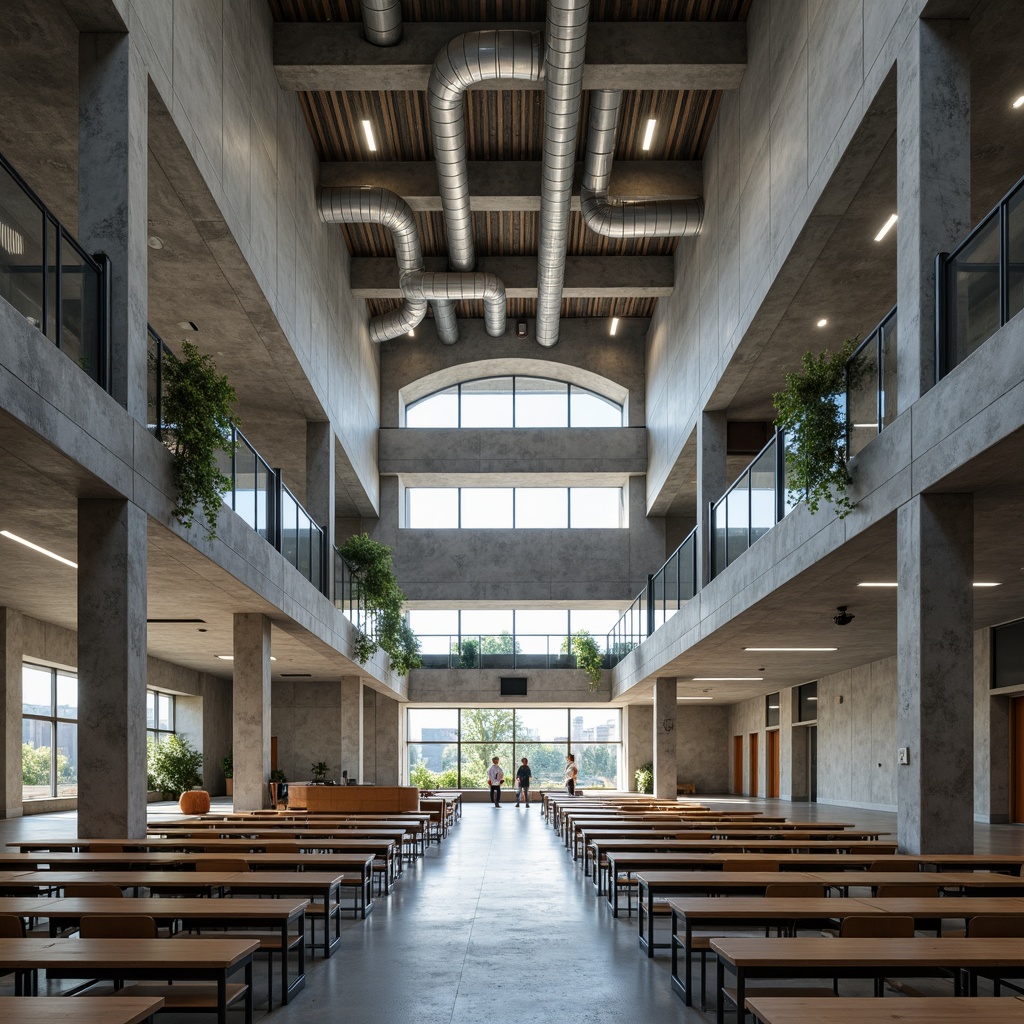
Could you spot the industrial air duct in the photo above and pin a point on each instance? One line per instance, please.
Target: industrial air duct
(456, 287)
(566, 40)
(382, 21)
(617, 218)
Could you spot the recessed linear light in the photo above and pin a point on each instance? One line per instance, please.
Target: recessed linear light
(231, 657)
(1018, 103)
(168, 621)
(648, 134)
(614, 327)
(696, 698)
(871, 426)
(791, 648)
(822, 322)
(371, 142)
(811, 698)
(773, 707)
(727, 679)
(36, 547)
(893, 585)
(887, 227)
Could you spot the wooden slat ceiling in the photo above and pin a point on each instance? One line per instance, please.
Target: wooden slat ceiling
(507, 125)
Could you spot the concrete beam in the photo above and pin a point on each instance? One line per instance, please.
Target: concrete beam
(662, 55)
(498, 186)
(606, 277)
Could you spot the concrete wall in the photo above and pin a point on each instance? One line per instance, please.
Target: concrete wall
(638, 728)
(746, 718)
(306, 719)
(383, 754)
(483, 686)
(702, 747)
(812, 70)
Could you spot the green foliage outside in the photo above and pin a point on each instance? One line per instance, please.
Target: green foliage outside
(227, 765)
(174, 766)
(644, 776)
(588, 655)
(35, 767)
(383, 599)
(470, 648)
(810, 411)
(197, 404)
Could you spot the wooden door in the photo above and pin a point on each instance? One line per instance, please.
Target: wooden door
(1017, 757)
(737, 764)
(752, 766)
(773, 763)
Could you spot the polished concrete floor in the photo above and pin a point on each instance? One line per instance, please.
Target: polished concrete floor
(498, 926)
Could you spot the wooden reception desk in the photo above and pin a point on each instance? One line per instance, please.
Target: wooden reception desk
(353, 798)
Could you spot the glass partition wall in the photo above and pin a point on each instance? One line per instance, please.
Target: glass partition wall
(452, 747)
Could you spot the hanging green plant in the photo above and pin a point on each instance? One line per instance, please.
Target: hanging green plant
(370, 562)
(644, 776)
(588, 655)
(811, 412)
(197, 408)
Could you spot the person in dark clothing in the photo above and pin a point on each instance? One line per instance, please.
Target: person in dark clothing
(523, 776)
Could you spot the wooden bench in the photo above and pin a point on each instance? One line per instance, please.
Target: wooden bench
(684, 788)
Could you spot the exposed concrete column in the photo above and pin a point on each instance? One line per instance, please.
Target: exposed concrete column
(113, 200)
(665, 710)
(933, 185)
(992, 739)
(637, 726)
(320, 486)
(11, 654)
(382, 745)
(787, 741)
(935, 666)
(351, 727)
(711, 483)
(111, 669)
(250, 695)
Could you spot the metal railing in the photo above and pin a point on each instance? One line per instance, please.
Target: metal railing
(871, 385)
(51, 280)
(979, 286)
(348, 596)
(257, 493)
(666, 592)
(755, 502)
(498, 650)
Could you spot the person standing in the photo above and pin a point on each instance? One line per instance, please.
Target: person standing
(570, 774)
(495, 777)
(523, 776)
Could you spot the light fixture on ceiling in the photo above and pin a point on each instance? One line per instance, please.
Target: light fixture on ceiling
(371, 142)
(887, 227)
(696, 698)
(1018, 103)
(727, 679)
(188, 325)
(867, 426)
(614, 327)
(36, 547)
(773, 707)
(811, 698)
(822, 322)
(231, 657)
(412, 334)
(155, 242)
(892, 586)
(648, 134)
(791, 649)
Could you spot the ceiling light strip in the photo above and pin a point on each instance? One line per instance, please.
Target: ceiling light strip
(36, 547)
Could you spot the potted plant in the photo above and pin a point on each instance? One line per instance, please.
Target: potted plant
(278, 787)
(320, 770)
(197, 406)
(227, 766)
(644, 776)
(175, 767)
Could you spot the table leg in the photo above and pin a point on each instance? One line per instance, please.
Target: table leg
(222, 997)
(719, 989)
(248, 994)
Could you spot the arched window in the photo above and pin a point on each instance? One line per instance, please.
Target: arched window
(514, 401)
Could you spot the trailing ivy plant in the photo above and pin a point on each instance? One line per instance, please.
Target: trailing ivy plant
(809, 410)
(198, 408)
(371, 567)
(588, 655)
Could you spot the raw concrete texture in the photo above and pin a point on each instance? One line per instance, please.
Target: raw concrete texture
(665, 709)
(702, 747)
(638, 728)
(12, 650)
(351, 727)
(251, 694)
(992, 738)
(382, 742)
(306, 719)
(470, 686)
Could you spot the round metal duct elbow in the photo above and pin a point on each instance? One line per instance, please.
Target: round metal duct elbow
(466, 60)
(566, 41)
(459, 287)
(382, 21)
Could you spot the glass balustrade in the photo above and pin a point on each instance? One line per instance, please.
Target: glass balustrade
(871, 385)
(49, 278)
(497, 651)
(980, 285)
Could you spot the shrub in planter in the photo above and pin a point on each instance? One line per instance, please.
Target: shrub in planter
(644, 776)
(175, 768)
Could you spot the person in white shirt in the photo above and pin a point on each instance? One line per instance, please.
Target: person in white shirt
(571, 773)
(495, 777)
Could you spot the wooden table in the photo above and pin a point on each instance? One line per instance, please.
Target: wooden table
(750, 959)
(136, 959)
(926, 1010)
(278, 914)
(94, 1010)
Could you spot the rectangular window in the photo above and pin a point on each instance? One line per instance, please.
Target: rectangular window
(49, 732)
(159, 716)
(542, 508)
(772, 707)
(485, 508)
(596, 508)
(518, 508)
(807, 702)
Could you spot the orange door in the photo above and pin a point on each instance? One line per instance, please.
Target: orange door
(773, 763)
(737, 764)
(1017, 757)
(752, 766)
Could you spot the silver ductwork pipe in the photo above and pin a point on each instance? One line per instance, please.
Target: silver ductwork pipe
(566, 41)
(382, 21)
(474, 57)
(456, 287)
(381, 206)
(616, 218)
